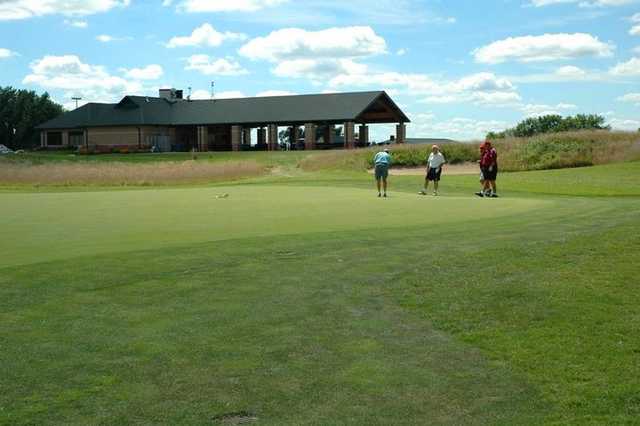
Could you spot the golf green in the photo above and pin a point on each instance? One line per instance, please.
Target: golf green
(39, 227)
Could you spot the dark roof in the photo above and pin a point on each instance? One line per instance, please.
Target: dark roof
(330, 108)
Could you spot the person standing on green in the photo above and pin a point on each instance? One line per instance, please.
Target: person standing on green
(382, 162)
(435, 161)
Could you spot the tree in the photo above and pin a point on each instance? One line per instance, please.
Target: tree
(553, 123)
(20, 112)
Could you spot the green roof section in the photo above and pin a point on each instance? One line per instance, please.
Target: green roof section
(331, 108)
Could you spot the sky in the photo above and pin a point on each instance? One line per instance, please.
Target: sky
(457, 68)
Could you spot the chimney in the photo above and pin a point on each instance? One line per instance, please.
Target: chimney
(171, 94)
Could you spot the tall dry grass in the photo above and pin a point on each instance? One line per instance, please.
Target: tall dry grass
(120, 174)
(567, 149)
(549, 151)
(403, 156)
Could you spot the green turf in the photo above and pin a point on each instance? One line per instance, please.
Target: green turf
(308, 300)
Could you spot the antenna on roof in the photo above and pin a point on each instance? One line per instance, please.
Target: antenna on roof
(76, 98)
(213, 93)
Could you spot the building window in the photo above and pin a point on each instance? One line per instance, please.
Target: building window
(76, 138)
(54, 138)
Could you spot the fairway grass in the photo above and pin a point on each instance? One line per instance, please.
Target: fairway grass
(311, 301)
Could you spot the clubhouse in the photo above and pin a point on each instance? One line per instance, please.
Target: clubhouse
(171, 123)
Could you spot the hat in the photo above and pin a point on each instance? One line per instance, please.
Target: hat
(435, 146)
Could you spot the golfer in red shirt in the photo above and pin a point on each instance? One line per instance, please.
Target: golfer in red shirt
(489, 170)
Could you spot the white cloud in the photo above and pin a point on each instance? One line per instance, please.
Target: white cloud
(76, 23)
(69, 73)
(23, 9)
(275, 93)
(106, 38)
(635, 30)
(629, 68)
(538, 110)
(226, 5)
(493, 99)
(547, 47)
(402, 52)
(316, 55)
(332, 43)
(624, 124)
(200, 94)
(630, 97)
(582, 3)
(6, 53)
(204, 35)
(150, 72)
(570, 71)
(480, 88)
(211, 66)
(459, 128)
(203, 94)
(563, 74)
(232, 94)
(318, 70)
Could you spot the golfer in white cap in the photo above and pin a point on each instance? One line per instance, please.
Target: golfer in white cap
(435, 161)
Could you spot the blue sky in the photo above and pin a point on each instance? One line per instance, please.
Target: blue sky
(457, 68)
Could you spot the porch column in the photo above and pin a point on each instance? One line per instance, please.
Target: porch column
(364, 135)
(236, 133)
(43, 138)
(246, 136)
(401, 133)
(262, 136)
(203, 138)
(349, 135)
(329, 132)
(272, 137)
(309, 136)
(65, 138)
(293, 136)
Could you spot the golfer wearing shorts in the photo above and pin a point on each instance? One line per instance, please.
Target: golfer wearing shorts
(382, 162)
(434, 169)
(488, 171)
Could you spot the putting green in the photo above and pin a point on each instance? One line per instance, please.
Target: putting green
(40, 227)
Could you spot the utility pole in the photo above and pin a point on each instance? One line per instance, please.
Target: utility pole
(213, 93)
(76, 98)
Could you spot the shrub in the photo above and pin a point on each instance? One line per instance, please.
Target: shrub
(416, 155)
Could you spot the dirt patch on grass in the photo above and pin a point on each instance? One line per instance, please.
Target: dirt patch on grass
(239, 418)
(450, 169)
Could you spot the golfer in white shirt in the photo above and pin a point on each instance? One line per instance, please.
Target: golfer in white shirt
(434, 169)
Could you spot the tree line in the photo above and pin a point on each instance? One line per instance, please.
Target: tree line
(552, 124)
(20, 112)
